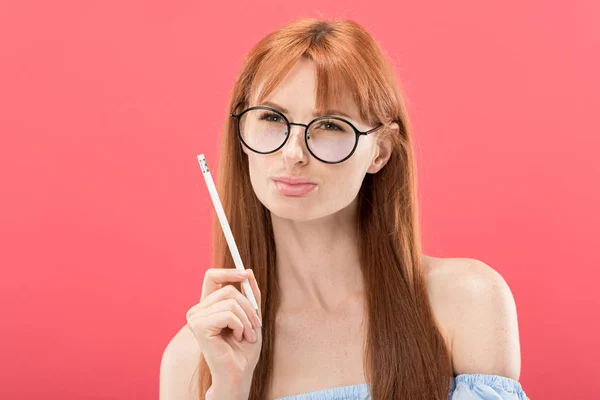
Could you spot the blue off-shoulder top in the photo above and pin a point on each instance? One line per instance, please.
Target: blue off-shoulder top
(463, 387)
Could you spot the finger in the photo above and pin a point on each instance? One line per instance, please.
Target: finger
(214, 278)
(231, 340)
(236, 308)
(231, 292)
(214, 324)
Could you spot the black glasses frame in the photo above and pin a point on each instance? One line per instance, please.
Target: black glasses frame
(306, 128)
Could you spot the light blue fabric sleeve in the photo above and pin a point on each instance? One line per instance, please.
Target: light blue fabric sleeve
(352, 392)
(486, 387)
(463, 387)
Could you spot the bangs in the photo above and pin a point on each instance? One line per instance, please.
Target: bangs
(341, 70)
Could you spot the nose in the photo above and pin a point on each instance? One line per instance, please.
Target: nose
(295, 150)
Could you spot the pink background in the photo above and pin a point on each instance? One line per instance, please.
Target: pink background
(104, 221)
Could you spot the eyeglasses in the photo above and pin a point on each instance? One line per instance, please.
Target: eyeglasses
(329, 139)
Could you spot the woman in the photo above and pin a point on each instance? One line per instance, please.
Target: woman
(317, 179)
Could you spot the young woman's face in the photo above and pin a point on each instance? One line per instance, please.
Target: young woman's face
(333, 186)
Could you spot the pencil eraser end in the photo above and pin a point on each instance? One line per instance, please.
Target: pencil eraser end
(203, 164)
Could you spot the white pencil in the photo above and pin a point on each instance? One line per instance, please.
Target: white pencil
(214, 195)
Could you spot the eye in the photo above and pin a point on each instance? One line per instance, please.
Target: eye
(270, 117)
(330, 126)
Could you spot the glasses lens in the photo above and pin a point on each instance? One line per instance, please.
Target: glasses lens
(263, 130)
(331, 140)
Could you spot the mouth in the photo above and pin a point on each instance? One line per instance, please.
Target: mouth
(285, 187)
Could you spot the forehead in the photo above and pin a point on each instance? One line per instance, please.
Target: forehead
(303, 87)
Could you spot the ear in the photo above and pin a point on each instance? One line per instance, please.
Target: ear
(383, 149)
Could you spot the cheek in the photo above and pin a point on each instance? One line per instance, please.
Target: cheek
(256, 171)
(259, 171)
(346, 181)
(364, 152)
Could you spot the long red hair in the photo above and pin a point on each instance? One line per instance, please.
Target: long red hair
(405, 356)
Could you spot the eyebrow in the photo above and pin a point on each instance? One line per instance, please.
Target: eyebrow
(330, 111)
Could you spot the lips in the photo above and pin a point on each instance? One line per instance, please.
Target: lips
(293, 180)
(294, 186)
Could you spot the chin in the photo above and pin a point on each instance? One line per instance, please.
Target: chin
(296, 208)
(293, 208)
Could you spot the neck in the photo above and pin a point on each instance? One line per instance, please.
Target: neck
(318, 265)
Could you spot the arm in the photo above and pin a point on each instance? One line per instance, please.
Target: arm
(479, 313)
(180, 360)
(179, 375)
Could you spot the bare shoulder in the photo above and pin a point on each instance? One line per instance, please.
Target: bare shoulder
(178, 367)
(476, 312)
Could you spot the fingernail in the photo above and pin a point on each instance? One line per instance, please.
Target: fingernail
(253, 336)
(258, 321)
(243, 273)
